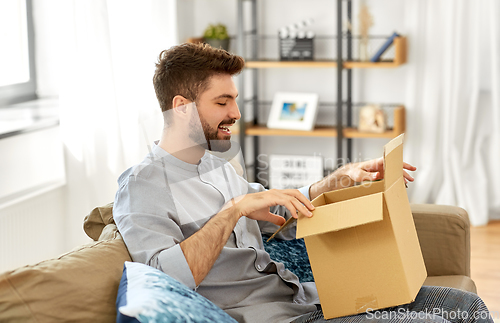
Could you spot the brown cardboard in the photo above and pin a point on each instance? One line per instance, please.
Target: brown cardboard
(362, 243)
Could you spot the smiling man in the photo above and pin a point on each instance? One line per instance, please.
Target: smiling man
(188, 213)
(210, 119)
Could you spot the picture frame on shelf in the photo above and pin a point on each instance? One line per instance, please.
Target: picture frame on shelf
(293, 111)
(292, 171)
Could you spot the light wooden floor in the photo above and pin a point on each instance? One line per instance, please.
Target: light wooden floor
(485, 264)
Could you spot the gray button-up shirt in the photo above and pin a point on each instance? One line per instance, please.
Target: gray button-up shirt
(163, 200)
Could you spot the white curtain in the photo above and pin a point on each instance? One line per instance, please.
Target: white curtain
(453, 104)
(109, 111)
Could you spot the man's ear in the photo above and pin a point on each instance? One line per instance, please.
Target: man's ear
(179, 104)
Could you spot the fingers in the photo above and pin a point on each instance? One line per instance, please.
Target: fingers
(294, 201)
(359, 176)
(256, 205)
(299, 196)
(372, 170)
(376, 165)
(300, 208)
(409, 167)
(407, 177)
(265, 215)
(372, 176)
(373, 165)
(276, 219)
(378, 175)
(294, 205)
(293, 210)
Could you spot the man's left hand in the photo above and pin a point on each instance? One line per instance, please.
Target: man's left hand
(372, 170)
(350, 174)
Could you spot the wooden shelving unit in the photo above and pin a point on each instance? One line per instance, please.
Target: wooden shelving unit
(342, 132)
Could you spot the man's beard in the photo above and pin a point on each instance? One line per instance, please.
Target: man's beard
(209, 139)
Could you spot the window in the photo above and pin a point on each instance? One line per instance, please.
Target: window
(17, 61)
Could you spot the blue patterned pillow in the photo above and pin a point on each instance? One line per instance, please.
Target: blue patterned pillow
(149, 295)
(293, 254)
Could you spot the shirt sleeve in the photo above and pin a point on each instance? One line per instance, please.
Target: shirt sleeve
(150, 230)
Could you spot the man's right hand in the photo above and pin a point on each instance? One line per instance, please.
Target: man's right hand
(256, 205)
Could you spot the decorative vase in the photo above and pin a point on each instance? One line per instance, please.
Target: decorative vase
(218, 43)
(363, 49)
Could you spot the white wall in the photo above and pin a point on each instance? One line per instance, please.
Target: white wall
(369, 85)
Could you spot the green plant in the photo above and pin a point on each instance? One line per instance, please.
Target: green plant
(218, 31)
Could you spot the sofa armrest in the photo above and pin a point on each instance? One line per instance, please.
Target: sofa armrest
(444, 236)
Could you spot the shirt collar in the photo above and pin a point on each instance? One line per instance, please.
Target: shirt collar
(161, 153)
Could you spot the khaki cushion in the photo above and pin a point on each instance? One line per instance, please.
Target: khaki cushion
(98, 218)
(444, 236)
(455, 281)
(79, 286)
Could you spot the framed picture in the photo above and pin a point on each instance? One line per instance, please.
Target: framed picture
(294, 111)
(294, 171)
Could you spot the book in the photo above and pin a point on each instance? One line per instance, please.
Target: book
(384, 47)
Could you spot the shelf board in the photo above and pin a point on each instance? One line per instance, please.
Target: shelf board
(382, 64)
(355, 133)
(288, 64)
(321, 131)
(319, 64)
(317, 132)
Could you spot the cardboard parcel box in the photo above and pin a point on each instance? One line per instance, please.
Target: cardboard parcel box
(362, 243)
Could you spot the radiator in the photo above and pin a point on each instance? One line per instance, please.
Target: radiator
(32, 230)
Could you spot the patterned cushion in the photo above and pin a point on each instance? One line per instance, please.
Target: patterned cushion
(149, 295)
(293, 254)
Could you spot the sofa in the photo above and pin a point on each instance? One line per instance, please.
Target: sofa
(82, 285)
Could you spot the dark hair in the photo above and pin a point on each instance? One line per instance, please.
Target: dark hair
(186, 69)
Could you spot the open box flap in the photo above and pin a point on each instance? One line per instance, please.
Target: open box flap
(341, 215)
(318, 201)
(344, 194)
(393, 161)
